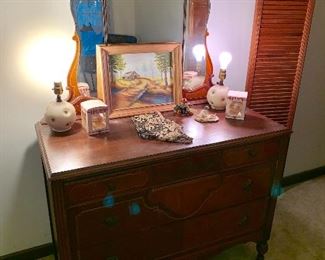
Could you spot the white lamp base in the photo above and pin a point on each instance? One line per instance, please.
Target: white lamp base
(60, 116)
(217, 97)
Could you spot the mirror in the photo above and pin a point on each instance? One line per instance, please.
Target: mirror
(197, 64)
(131, 21)
(148, 20)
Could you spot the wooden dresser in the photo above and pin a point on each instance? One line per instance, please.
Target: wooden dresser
(116, 196)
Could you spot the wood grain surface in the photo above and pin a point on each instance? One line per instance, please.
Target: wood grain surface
(76, 152)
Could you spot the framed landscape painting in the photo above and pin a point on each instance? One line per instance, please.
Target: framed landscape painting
(139, 78)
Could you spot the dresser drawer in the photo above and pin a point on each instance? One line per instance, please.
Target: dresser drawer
(154, 242)
(216, 191)
(153, 208)
(251, 183)
(191, 166)
(172, 203)
(88, 190)
(250, 153)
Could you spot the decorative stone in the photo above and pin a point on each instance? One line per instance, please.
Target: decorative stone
(204, 116)
(156, 126)
(94, 116)
(183, 108)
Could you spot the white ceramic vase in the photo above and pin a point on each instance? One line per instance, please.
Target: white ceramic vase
(60, 116)
(217, 97)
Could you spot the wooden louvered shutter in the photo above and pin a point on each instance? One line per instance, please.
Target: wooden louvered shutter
(279, 41)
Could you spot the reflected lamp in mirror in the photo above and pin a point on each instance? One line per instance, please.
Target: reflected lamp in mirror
(195, 79)
(197, 64)
(217, 95)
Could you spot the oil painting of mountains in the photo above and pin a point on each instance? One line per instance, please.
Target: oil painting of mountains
(141, 79)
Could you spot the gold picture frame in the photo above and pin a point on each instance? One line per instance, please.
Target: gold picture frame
(134, 79)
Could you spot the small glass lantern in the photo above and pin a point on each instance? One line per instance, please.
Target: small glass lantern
(94, 116)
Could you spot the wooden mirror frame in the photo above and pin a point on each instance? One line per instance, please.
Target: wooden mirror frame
(278, 47)
(196, 16)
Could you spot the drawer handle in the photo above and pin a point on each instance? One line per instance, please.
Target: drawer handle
(134, 209)
(111, 221)
(111, 187)
(252, 152)
(243, 221)
(248, 185)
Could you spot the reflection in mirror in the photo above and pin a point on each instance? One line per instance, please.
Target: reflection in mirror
(128, 21)
(148, 20)
(88, 18)
(197, 63)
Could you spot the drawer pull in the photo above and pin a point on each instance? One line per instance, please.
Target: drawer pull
(111, 221)
(134, 209)
(248, 185)
(111, 187)
(243, 221)
(109, 201)
(252, 152)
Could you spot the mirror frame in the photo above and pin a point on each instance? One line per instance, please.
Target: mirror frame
(285, 117)
(196, 9)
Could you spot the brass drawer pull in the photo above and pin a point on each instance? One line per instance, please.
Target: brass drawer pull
(243, 221)
(248, 185)
(111, 221)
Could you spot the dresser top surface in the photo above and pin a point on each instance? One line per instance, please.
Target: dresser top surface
(75, 152)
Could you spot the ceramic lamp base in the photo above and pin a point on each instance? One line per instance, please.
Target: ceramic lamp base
(217, 97)
(60, 116)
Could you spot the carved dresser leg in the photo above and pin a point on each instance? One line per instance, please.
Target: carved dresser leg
(261, 248)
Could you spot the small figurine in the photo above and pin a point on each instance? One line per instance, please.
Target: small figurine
(205, 117)
(183, 108)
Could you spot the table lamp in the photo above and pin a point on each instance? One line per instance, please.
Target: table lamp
(217, 95)
(60, 115)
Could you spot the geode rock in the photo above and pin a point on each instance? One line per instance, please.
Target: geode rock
(156, 126)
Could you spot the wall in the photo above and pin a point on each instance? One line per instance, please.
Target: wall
(119, 11)
(307, 145)
(23, 210)
(159, 21)
(230, 29)
(148, 20)
(24, 219)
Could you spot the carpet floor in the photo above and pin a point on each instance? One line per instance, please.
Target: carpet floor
(298, 231)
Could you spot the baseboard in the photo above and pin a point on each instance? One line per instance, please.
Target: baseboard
(303, 176)
(48, 249)
(31, 253)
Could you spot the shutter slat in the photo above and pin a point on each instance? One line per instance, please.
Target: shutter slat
(277, 55)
